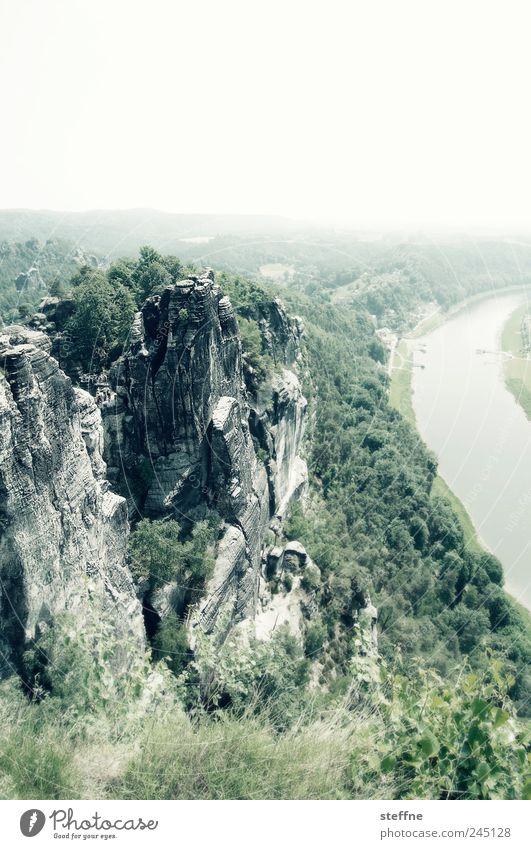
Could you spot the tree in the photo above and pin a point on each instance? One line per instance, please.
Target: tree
(170, 643)
(150, 274)
(99, 326)
(161, 554)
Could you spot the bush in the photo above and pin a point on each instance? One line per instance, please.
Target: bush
(314, 639)
(264, 678)
(170, 643)
(259, 362)
(451, 741)
(159, 553)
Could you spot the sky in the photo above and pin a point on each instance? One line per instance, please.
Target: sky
(373, 114)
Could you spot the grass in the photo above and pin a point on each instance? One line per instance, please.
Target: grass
(400, 392)
(368, 745)
(240, 759)
(517, 368)
(167, 755)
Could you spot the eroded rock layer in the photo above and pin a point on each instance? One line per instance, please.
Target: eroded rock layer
(178, 435)
(63, 533)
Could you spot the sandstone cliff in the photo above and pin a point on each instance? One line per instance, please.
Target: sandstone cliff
(62, 531)
(181, 429)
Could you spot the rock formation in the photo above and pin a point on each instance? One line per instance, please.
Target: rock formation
(62, 531)
(181, 435)
(180, 429)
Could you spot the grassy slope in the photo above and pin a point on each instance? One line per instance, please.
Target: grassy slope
(518, 368)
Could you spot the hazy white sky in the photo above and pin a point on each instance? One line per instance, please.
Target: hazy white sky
(367, 113)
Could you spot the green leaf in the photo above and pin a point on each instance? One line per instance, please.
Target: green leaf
(429, 745)
(482, 771)
(475, 734)
(500, 717)
(479, 708)
(388, 763)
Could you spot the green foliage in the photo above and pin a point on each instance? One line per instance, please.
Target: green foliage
(441, 741)
(95, 333)
(263, 677)
(374, 525)
(77, 666)
(258, 362)
(159, 553)
(156, 551)
(170, 643)
(247, 297)
(397, 733)
(314, 639)
(148, 275)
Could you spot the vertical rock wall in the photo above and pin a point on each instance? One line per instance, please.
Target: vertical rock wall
(178, 435)
(62, 531)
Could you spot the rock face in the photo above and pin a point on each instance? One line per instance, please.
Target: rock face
(277, 423)
(180, 429)
(30, 281)
(292, 608)
(62, 531)
(291, 597)
(281, 334)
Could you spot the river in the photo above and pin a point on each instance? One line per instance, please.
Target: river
(478, 431)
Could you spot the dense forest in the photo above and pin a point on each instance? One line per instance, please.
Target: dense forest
(440, 712)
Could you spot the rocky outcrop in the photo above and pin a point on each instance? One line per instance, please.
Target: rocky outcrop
(181, 434)
(281, 335)
(277, 423)
(184, 356)
(30, 282)
(62, 531)
(292, 595)
(288, 593)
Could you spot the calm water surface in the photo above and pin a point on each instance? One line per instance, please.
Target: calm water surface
(479, 433)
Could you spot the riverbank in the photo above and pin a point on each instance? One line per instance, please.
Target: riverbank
(440, 316)
(409, 357)
(517, 367)
(400, 398)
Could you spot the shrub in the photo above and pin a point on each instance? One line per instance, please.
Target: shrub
(314, 639)
(159, 553)
(252, 351)
(451, 741)
(170, 643)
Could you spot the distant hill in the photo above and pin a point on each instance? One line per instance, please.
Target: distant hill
(121, 232)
